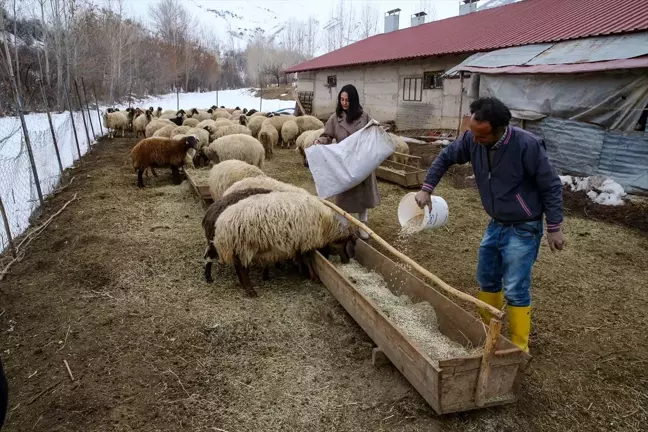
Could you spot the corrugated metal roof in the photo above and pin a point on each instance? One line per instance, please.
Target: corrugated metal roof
(523, 23)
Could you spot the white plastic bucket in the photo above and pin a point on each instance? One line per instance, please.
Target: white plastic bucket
(408, 209)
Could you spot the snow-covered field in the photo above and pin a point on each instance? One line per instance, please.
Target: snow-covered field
(17, 186)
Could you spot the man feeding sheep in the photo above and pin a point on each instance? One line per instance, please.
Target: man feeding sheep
(517, 185)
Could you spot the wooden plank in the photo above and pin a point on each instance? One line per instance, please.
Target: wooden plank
(390, 176)
(202, 190)
(494, 328)
(405, 356)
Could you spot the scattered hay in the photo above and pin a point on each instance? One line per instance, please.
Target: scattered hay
(417, 320)
(199, 176)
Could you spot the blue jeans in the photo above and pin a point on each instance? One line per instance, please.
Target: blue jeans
(506, 257)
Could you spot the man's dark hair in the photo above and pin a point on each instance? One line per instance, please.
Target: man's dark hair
(355, 109)
(491, 110)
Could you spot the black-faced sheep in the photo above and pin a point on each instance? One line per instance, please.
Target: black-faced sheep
(161, 152)
(140, 123)
(289, 133)
(199, 115)
(115, 121)
(276, 227)
(251, 112)
(277, 122)
(238, 146)
(211, 216)
(254, 124)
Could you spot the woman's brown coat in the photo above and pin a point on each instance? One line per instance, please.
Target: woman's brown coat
(365, 195)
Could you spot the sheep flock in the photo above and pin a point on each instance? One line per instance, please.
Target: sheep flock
(255, 220)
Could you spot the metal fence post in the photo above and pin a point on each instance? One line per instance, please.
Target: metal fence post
(51, 125)
(67, 98)
(85, 125)
(5, 220)
(85, 97)
(94, 92)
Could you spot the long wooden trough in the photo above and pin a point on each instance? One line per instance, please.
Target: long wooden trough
(408, 175)
(451, 386)
(199, 186)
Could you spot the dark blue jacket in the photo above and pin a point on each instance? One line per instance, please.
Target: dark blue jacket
(520, 185)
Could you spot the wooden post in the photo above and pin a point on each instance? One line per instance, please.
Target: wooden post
(407, 260)
(296, 97)
(85, 125)
(94, 93)
(5, 220)
(494, 329)
(23, 123)
(85, 97)
(67, 98)
(461, 74)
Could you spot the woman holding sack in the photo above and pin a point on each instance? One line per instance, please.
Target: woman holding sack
(347, 119)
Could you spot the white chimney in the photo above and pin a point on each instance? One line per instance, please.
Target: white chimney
(391, 20)
(467, 7)
(418, 19)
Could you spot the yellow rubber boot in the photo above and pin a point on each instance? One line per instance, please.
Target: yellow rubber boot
(494, 299)
(520, 326)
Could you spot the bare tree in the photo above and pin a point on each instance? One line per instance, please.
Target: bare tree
(45, 39)
(427, 7)
(311, 37)
(341, 27)
(369, 16)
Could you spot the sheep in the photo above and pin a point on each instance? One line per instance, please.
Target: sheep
(259, 114)
(235, 116)
(277, 122)
(254, 124)
(306, 140)
(243, 120)
(308, 122)
(230, 130)
(269, 139)
(251, 112)
(289, 133)
(159, 152)
(167, 112)
(199, 115)
(201, 135)
(263, 182)
(226, 173)
(140, 123)
(191, 122)
(180, 130)
(165, 132)
(204, 123)
(220, 113)
(178, 119)
(223, 122)
(239, 146)
(115, 121)
(130, 115)
(270, 228)
(401, 147)
(154, 125)
(190, 153)
(209, 223)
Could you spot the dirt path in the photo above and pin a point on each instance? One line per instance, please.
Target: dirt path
(114, 286)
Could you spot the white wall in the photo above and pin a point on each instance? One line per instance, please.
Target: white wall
(381, 93)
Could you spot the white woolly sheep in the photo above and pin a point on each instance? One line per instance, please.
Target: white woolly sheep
(259, 114)
(307, 123)
(159, 152)
(204, 123)
(140, 122)
(289, 133)
(201, 134)
(154, 125)
(270, 228)
(191, 122)
(166, 132)
(254, 124)
(401, 147)
(278, 121)
(306, 140)
(226, 173)
(269, 139)
(263, 182)
(230, 130)
(180, 130)
(239, 146)
(115, 121)
(220, 113)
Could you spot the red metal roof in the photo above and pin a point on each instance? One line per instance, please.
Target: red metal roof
(523, 23)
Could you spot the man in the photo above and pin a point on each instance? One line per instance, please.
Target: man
(517, 185)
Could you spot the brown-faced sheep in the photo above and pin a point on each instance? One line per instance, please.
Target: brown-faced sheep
(239, 146)
(115, 121)
(275, 227)
(289, 133)
(161, 152)
(226, 173)
(269, 139)
(209, 222)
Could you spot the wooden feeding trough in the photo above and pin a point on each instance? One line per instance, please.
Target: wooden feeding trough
(406, 175)
(489, 378)
(197, 178)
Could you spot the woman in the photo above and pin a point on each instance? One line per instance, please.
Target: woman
(347, 119)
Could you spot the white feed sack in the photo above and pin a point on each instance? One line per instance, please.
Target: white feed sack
(339, 167)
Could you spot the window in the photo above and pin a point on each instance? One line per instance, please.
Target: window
(433, 80)
(412, 89)
(331, 81)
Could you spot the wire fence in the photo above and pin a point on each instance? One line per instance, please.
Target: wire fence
(18, 192)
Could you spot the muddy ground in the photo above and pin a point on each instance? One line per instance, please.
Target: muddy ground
(114, 286)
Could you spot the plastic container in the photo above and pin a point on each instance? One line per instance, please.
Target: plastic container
(408, 209)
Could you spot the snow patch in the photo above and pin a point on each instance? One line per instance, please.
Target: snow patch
(601, 190)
